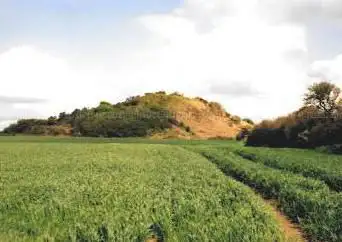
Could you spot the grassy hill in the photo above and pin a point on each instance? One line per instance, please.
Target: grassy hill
(157, 115)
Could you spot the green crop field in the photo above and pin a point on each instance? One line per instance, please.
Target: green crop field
(73, 191)
(86, 189)
(307, 201)
(325, 167)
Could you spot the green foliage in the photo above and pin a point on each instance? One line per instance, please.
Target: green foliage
(104, 107)
(153, 114)
(220, 138)
(249, 121)
(202, 100)
(267, 137)
(177, 94)
(215, 106)
(326, 134)
(324, 167)
(128, 122)
(236, 119)
(307, 201)
(323, 96)
(123, 192)
(130, 140)
(38, 127)
(52, 120)
(308, 134)
(331, 149)
(131, 101)
(136, 117)
(317, 123)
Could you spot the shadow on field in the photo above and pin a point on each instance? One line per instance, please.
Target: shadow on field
(157, 233)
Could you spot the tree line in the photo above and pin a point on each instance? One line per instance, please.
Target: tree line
(317, 123)
(130, 118)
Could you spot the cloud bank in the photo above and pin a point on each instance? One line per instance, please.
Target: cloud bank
(256, 49)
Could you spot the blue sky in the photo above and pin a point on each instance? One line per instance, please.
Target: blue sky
(324, 39)
(51, 23)
(66, 54)
(37, 21)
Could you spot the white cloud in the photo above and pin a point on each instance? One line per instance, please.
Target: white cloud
(28, 74)
(238, 46)
(330, 70)
(188, 49)
(6, 123)
(300, 10)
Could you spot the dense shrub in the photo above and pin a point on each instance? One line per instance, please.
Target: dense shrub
(267, 137)
(136, 116)
(26, 126)
(317, 123)
(127, 119)
(236, 119)
(130, 122)
(249, 121)
(308, 133)
(326, 134)
(202, 100)
(177, 94)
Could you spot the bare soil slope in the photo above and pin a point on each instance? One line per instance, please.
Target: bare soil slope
(198, 117)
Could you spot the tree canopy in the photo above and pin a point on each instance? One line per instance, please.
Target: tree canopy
(317, 123)
(324, 96)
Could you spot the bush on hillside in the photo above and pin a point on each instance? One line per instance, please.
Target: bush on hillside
(202, 100)
(317, 123)
(177, 94)
(249, 121)
(136, 116)
(307, 134)
(236, 119)
(326, 134)
(267, 137)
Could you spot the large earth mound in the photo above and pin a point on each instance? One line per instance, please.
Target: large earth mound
(156, 115)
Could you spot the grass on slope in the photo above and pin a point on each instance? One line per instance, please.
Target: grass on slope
(325, 167)
(307, 201)
(123, 192)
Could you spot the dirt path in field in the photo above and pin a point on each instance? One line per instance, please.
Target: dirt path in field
(292, 231)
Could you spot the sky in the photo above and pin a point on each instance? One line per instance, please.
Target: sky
(256, 57)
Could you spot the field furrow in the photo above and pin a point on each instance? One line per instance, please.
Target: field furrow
(324, 167)
(306, 201)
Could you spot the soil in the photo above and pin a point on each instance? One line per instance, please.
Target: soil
(291, 230)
